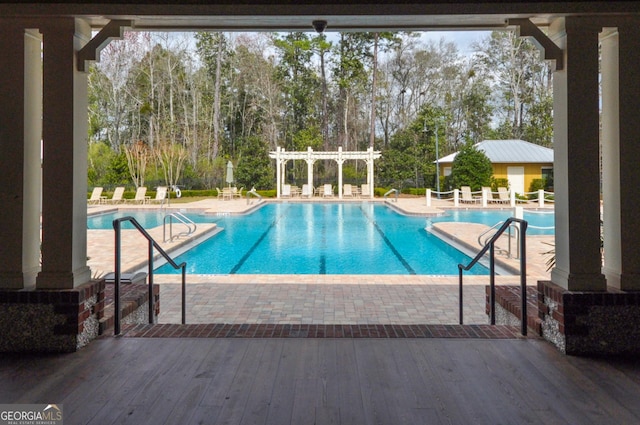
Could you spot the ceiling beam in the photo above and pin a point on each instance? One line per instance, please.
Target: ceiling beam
(91, 51)
(550, 50)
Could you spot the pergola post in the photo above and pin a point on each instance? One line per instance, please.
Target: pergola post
(310, 162)
(340, 161)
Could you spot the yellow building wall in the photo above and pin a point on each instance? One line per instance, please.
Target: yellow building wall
(531, 171)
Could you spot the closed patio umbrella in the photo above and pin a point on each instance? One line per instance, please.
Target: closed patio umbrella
(229, 178)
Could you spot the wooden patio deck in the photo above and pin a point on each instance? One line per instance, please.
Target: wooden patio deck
(325, 381)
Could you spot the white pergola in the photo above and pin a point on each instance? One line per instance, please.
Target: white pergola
(282, 157)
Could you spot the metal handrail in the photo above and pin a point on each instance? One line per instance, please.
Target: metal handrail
(391, 190)
(254, 193)
(152, 244)
(492, 282)
(482, 241)
(191, 225)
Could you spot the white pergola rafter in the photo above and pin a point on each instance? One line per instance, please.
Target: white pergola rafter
(310, 156)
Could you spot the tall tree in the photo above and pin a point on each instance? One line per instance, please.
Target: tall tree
(213, 50)
(520, 76)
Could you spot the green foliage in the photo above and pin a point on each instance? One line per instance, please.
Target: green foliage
(99, 163)
(535, 186)
(415, 191)
(471, 167)
(498, 182)
(254, 166)
(118, 171)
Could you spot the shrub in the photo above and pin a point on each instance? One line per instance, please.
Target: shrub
(472, 168)
(535, 186)
(498, 182)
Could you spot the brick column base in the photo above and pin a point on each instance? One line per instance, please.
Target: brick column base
(44, 320)
(590, 323)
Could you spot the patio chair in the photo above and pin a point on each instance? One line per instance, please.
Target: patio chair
(503, 195)
(347, 192)
(227, 193)
(237, 193)
(117, 195)
(466, 195)
(161, 194)
(487, 190)
(96, 196)
(141, 196)
(286, 191)
(328, 191)
(365, 192)
(307, 191)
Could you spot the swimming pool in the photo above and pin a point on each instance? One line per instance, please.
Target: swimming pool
(327, 238)
(323, 239)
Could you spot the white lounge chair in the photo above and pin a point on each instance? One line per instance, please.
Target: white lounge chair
(117, 195)
(328, 191)
(96, 196)
(286, 191)
(347, 192)
(141, 196)
(365, 192)
(503, 195)
(466, 195)
(161, 194)
(307, 191)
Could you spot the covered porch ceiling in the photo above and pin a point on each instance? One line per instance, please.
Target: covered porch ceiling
(283, 15)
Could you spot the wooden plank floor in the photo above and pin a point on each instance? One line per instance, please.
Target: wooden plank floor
(325, 381)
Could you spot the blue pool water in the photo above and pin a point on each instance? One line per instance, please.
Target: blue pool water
(326, 239)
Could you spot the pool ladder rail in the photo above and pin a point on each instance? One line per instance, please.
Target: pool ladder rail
(513, 233)
(396, 191)
(118, 270)
(253, 192)
(181, 218)
(490, 246)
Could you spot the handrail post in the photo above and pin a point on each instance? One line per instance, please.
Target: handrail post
(492, 284)
(523, 279)
(116, 283)
(184, 294)
(460, 294)
(151, 297)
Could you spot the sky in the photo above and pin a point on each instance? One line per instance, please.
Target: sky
(463, 39)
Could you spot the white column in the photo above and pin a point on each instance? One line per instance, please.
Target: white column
(428, 195)
(310, 162)
(32, 155)
(340, 161)
(20, 178)
(370, 176)
(577, 160)
(278, 174)
(621, 109)
(64, 134)
(541, 198)
(612, 268)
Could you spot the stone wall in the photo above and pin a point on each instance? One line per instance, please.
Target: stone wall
(50, 320)
(590, 323)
